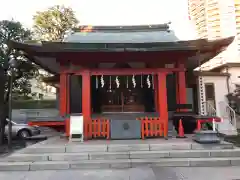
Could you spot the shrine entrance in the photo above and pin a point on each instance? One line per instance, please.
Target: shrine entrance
(123, 100)
(125, 94)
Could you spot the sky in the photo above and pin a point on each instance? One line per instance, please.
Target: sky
(108, 12)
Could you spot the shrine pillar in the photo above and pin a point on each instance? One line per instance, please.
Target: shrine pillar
(156, 92)
(64, 100)
(162, 100)
(181, 90)
(86, 96)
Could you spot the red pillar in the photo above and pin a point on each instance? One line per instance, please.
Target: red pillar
(64, 100)
(162, 100)
(63, 94)
(86, 96)
(181, 93)
(156, 92)
(182, 88)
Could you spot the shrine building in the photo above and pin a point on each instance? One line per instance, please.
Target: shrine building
(120, 78)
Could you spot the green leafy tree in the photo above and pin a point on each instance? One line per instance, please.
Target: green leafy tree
(52, 24)
(24, 71)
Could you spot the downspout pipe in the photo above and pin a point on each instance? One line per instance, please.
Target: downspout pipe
(228, 79)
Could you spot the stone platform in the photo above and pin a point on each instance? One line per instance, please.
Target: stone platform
(59, 154)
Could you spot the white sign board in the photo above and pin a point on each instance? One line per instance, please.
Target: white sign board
(76, 128)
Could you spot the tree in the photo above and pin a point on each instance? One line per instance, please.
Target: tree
(25, 70)
(52, 24)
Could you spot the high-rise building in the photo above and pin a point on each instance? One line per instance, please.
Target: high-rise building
(215, 19)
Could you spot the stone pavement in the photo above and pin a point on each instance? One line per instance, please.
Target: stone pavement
(144, 173)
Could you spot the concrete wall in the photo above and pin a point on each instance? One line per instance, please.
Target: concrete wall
(21, 115)
(220, 87)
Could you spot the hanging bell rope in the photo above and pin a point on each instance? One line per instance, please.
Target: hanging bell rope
(102, 82)
(127, 82)
(141, 81)
(134, 81)
(148, 81)
(117, 82)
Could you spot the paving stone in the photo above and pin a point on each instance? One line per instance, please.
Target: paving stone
(68, 157)
(132, 147)
(208, 162)
(159, 162)
(148, 154)
(126, 163)
(90, 164)
(172, 163)
(226, 153)
(178, 146)
(14, 166)
(25, 158)
(49, 165)
(212, 146)
(86, 148)
(109, 155)
(46, 149)
(235, 161)
(189, 154)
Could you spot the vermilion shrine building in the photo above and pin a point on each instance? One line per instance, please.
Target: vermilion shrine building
(122, 73)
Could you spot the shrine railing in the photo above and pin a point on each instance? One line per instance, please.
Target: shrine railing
(97, 128)
(151, 127)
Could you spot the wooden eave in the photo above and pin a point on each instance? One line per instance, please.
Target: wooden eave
(226, 65)
(206, 49)
(209, 73)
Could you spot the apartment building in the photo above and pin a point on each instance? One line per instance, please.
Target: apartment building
(214, 19)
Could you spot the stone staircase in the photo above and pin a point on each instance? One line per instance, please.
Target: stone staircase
(117, 154)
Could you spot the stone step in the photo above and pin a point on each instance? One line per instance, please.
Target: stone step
(120, 163)
(123, 147)
(122, 155)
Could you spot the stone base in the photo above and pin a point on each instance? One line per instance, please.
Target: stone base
(206, 137)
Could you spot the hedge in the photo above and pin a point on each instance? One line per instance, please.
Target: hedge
(34, 104)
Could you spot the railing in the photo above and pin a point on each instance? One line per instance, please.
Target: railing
(151, 127)
(227, 113)
(211, 111)
(97, 128)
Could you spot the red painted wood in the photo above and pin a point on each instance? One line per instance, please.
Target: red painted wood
(151, 127)
(86, 97)
(68, 94)
(182, 88)
(126, 71)
(63, 93)
(162, 99)
(156, 92)
(98, 128)
(181, 91)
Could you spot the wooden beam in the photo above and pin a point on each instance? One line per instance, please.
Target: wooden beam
(126, 71)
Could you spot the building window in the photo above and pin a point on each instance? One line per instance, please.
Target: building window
(210, 94)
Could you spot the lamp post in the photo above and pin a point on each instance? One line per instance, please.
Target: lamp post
(12, 65)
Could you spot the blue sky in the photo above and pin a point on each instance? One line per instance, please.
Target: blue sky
(106, 12)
